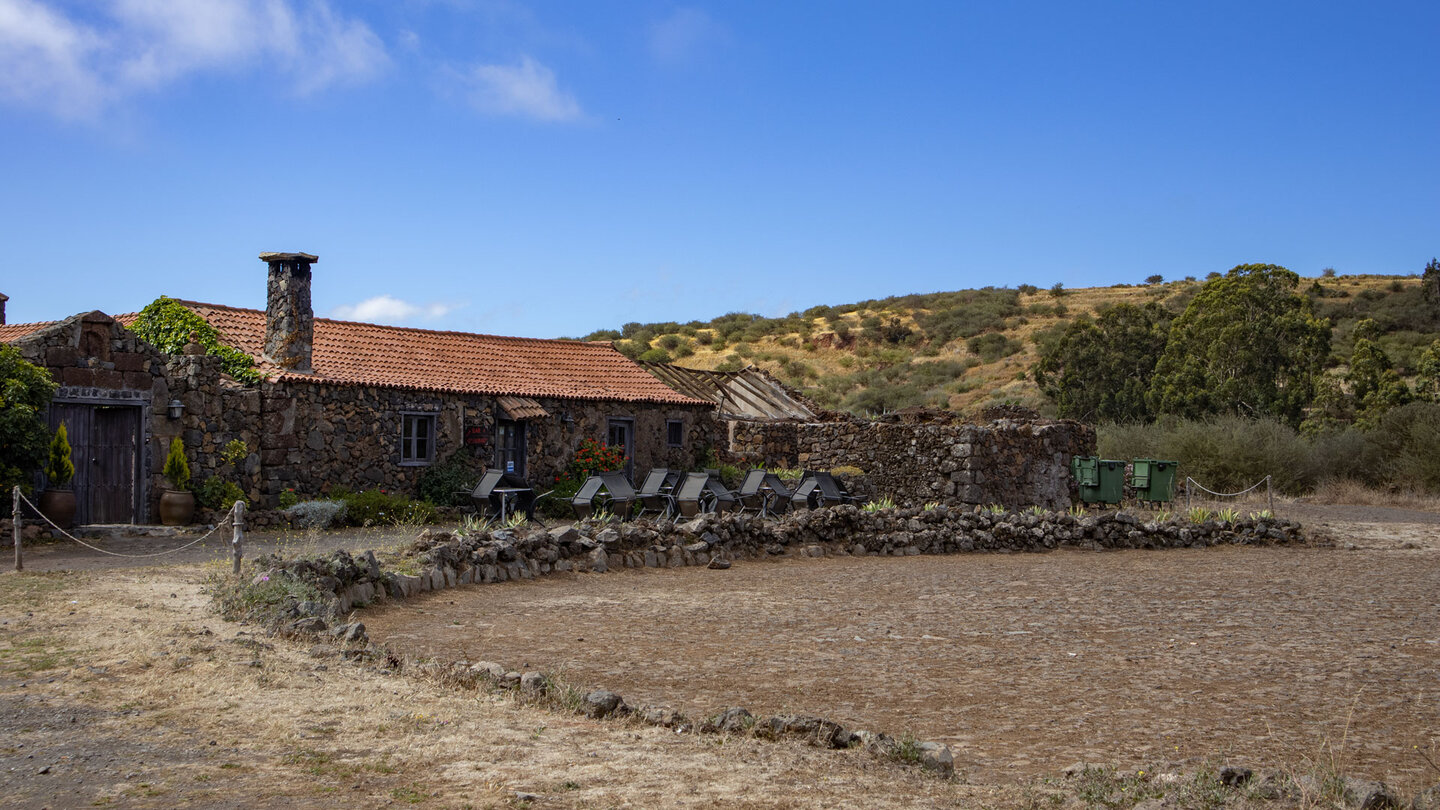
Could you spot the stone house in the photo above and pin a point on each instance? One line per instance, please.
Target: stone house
(342, 404)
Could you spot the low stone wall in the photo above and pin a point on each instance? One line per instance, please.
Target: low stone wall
(445, 560)
(1007, 462)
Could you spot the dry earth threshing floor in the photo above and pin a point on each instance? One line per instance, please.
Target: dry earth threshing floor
(1021, 663)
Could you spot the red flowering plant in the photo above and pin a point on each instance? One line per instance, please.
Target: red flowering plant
(591, 458)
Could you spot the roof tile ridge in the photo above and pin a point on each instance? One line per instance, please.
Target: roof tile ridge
(455, 332)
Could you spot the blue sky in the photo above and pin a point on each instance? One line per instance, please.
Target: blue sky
(553, 168)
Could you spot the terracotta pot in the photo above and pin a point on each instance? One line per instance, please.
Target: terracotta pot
(177, 507)
(59, 506)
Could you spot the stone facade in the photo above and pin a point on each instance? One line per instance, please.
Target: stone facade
(289, 319)
(1007, 462)
(311, 437)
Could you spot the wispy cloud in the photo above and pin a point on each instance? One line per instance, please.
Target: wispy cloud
(392, 310)
(78, 68)
(684, 36)
(526, 90)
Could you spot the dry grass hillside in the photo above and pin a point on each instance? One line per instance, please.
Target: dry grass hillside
(970, 349)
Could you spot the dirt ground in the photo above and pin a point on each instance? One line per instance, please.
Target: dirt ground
(119, 687)
(1021, 663)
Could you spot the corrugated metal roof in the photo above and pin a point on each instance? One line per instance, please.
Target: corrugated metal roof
(748, 393)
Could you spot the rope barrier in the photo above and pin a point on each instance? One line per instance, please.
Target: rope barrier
(1267, 481)
(228, 517)
(1198, 485)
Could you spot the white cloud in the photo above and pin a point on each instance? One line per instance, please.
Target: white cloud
(43, 58)
(78, 69)
(392, 310)
(526, 90)
(683, 35)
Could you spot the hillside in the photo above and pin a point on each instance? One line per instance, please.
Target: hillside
(970, 349)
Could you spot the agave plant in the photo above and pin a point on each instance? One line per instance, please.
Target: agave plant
(1198, 514)
(878, 504)
(1227, 515)
(1263, 514)
(515, 520)
(1034, 510)
(1077, 510)
(931, 506)
(471, 525)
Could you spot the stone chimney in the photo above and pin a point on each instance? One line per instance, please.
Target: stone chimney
(3, 299)
(289, 320)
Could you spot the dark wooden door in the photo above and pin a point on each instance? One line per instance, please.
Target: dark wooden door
(510, 446)
(105, 446)
(621, 434)
(115, 455)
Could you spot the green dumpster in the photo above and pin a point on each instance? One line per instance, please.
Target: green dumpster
(1101, 480)
(1154, 480)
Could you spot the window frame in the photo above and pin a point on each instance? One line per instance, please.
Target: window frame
(675, 428)
(408, 440)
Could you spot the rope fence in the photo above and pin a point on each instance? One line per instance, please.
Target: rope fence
(1191, 484)
(235, 518)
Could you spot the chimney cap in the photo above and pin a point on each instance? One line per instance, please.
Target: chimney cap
(289, 257)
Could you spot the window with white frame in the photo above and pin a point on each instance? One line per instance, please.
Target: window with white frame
(417, 438)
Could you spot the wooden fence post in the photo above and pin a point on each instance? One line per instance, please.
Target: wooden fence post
(237, 524)
(19, 563)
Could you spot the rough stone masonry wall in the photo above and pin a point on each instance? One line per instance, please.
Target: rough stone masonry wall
(1011, 463)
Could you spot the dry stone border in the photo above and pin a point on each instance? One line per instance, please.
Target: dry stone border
(447, 560)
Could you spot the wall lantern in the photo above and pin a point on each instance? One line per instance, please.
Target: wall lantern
(567, 419)
(175, 408)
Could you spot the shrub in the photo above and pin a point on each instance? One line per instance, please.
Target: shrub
(60, 469)
(1155, 279)
(218, 493)
(25, 391)
(376, 507)
(656, 355)
(177, 469)
(1027, 289)
(449, 482)
(167, 325)
(288, 498)
(316, 514)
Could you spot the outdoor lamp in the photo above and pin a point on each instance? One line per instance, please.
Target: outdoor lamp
(176, 407)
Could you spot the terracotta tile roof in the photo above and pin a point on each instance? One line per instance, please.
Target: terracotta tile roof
(14, 331)
(348, 353)
(521, 407)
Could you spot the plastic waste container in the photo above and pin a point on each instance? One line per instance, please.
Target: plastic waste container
(1153, 480)
(1101, 480)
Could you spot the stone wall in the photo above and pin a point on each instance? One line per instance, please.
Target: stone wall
(312, 437)
(1007, 462)
(96, 361)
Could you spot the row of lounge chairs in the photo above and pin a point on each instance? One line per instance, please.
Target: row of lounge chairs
(672, 493)
(665, 492)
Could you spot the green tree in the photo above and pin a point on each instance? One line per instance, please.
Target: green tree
(1248, 343)
(1427, 378)
(1101, 370)
(25, 391)
(1430, 283)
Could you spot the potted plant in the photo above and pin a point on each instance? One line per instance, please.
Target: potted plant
(177, 506)
(57, 502)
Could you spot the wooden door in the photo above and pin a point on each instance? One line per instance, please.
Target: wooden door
(115, 455)
(621, 434)
(510, 446)
(105, 447)
(77, 427)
